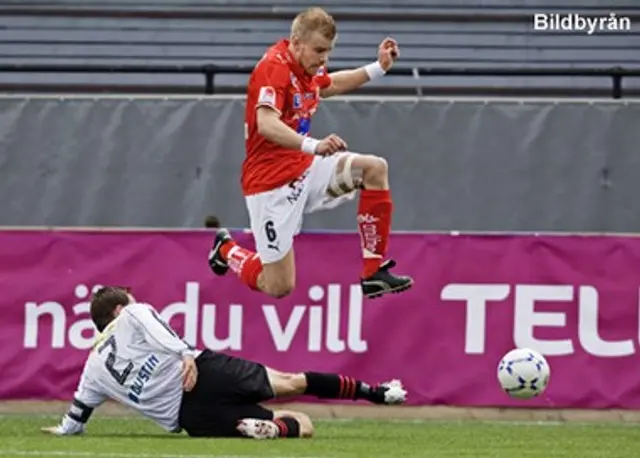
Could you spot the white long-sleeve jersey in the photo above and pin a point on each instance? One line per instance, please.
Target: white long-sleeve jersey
(136, 361)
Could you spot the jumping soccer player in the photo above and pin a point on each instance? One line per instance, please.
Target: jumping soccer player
(287, 173)
(139, 361)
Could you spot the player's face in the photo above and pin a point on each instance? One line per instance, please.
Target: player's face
(313, 52)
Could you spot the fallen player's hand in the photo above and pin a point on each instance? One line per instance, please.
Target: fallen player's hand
(388, 53)
(55, 430)
(330, 145)
(189, 373)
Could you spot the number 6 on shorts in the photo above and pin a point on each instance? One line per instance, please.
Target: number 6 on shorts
(270, 231)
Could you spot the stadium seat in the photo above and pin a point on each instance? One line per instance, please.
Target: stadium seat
(118, 32)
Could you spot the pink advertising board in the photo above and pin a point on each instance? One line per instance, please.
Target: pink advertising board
(573, 298)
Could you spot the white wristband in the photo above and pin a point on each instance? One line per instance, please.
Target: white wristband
(374, 70)
(309, 145)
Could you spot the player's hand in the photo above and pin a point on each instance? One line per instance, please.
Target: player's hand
(189, 373)
(388, 53)
(330, 145)
(55, 430)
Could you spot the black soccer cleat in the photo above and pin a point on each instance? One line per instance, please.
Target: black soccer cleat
(384, 282)
(218, 265)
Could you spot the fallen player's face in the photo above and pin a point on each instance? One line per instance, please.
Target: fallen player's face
(314, 52)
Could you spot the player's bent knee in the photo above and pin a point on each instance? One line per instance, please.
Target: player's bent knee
(306, 425)
(375, 171)
(377, 166)
(280, 288)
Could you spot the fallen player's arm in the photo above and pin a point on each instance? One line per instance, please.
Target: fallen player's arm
(157, 331)
(86, 398)
(273, 129)
(348, 80)
(159, 335)
(69, 426)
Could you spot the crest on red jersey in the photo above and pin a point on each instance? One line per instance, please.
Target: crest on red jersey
(267, 96)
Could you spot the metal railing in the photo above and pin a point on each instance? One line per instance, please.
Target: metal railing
(210, 71)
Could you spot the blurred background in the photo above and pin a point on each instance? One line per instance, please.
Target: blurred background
(68, 69)
(456, 47)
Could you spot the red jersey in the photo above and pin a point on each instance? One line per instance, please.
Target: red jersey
(279, 82)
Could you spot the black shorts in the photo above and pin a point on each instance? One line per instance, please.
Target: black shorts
(228, 389)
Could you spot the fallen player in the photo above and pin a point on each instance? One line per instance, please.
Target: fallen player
(138, 360)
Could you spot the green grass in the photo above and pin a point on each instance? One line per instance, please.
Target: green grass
(113, 437)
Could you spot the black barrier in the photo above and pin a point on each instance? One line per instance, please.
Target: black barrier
(210, 71)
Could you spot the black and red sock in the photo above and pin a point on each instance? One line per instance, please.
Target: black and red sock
(288, 426)
(335, 386)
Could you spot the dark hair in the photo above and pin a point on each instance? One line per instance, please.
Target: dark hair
(104, 302)
(212, 221)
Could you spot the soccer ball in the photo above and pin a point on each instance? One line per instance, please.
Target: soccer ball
(523, 373)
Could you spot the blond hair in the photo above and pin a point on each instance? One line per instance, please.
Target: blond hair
(314, 20)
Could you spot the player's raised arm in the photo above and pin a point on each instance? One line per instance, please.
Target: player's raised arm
(348, 80)
(86, 398)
